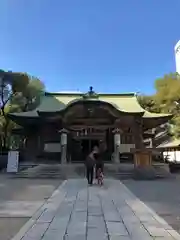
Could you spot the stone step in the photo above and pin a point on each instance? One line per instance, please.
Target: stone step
(47, 171)
(77, 170)
(128, 173)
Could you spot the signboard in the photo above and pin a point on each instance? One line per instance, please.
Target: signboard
(52, 147)
(13, 161)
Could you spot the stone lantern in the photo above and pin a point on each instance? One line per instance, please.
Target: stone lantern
(117, 142)
(64, 135)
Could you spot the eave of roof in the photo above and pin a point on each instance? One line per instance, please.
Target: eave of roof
(155, 115)
(172, 144)
(80, 94)
(29, 114)
(25, 118)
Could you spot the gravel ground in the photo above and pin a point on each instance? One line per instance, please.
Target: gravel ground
(19, 199)
(161, 195)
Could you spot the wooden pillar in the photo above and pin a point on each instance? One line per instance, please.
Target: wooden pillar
(142, 156)
(31, 148)
(137, 130)
(153, 138)
(41, 144)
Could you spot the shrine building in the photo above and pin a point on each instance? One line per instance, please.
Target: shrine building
(66, 126)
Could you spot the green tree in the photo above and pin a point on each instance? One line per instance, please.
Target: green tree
(168, 92)
(18, 92)
(148, 103)
(29, 97)
(166, 99)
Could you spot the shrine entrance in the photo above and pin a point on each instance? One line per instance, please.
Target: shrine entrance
(89, 123)
(82, 142)
(87, 145)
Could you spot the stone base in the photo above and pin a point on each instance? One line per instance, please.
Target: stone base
(144, 173)
(150, 173)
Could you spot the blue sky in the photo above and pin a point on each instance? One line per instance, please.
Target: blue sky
(115, 46)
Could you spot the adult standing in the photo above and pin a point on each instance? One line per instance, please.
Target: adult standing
(90, 163)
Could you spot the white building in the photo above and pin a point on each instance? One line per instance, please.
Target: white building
(177, 56)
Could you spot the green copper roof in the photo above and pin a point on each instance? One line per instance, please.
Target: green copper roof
(123, 102)
(56, 102)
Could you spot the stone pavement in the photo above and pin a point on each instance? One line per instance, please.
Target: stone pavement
(76, 211)
(20, 199)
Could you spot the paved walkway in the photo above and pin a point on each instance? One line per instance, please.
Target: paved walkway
(79, 212)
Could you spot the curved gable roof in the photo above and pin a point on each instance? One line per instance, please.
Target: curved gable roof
(57, 102)
(123, 102)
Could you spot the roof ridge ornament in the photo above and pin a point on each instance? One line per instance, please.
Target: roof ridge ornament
(90, 94)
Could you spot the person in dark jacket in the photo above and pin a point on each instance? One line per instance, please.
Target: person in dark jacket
(90, 163)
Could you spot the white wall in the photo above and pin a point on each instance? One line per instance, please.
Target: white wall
(52, 147)
(172, 156)
(126, 147)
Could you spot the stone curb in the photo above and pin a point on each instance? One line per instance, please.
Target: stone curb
(29, 224)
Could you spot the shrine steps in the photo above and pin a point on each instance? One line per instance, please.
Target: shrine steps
(58, 171)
